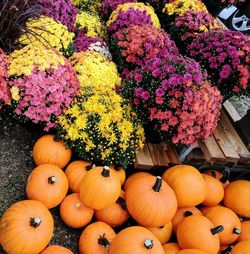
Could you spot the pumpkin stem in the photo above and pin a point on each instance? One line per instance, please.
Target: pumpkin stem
(78, 205)
(227, 250)
(93, 165)
(217, 229)
(158, 184)
(35, 222)
(188, 213)
(106, 171)
(236, 231)
(122, 203)
(104, 241)
(52, 179)
(226, 175)
(213, 174)
(57, 137)
(148, 243)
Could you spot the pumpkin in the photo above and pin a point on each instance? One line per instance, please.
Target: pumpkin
(120, 172)
(100, 188)
(215, 191)
(237, 197)
(225, 249)
(133, 177)
(150, 201)
(96, 238)
(75, 172)
(163, 233)
(188, 184)
(220, 215)
(26, 227)
(136, 240)
(183, 213)
(192, 251)
(116, 214)
(241, 248)
(56, 249)
(223, 176)
(48, 151)
(74, 213)
(198, 232)
(245, 231)
(171, 248)
(48, 184)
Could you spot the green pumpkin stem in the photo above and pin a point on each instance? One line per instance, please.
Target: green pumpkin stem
(104, 241)
(236, 231)
(217, 229)
(158, 184)
(227, 250)
(52, 180)
(122, 203)
(188, 213)
(148, 243)
(106, 171)
(35, 222)
(226, 175)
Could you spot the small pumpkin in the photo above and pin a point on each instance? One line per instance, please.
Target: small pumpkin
(26, 227)
(192, 251)
(223, 176)
(215, 191)
(120, 172)
(163, 233)
(96, 238)
(198, 232)
(75, 172)
(220, 215)
(183, 213)
(136, 240)
(237, 197)
(74, 213)
(245, 231)
(56, 249)
(188, 184)
(116, 214)
(150, 201)
(100, 188)
(242, 247)
(48, 184)
(171, 248)
(48, 151)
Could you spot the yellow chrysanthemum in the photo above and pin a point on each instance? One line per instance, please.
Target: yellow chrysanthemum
(15, 93)
(93, 6)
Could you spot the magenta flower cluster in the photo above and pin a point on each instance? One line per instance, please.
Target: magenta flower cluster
(82, 42)
(46, 94)
(226, 56)
(60, 10)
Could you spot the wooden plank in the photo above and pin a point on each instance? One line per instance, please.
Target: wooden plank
(172, 153)
(159, 154)
(143, 159)
(196, 156)
(232, 111)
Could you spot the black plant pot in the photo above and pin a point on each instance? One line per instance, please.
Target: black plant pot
(152, 135)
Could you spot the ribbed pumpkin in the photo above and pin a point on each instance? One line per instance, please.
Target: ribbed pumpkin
(56, 249)
(48, 184)
(74, 213)
(197, 232)
(116, 214)
(223, 176)
(133, 177)
(48, 151)
(120, 172)
(245, 231)
(188, 184)
(220, 215)
(183, 213)
(237, 197)
(241, 248)
(215, 191)
(171, 248)
(150, 201)
(163, 233)
(136, 240)
(100, 188)
(96, 238)
(26, 227)
(192, 251)
(75, 172)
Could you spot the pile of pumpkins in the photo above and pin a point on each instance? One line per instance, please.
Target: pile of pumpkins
(164, 207)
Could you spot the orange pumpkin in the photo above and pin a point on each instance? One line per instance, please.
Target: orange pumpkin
(136, 240)
(215, 191)
(220, 215)
(48, 151)
(241, 248)
(171, 248)
(188, 184)
(245, 231)
(197, 232)
(163, 233)
(183, 213)
(56, 249)
(48, 184)
(26, 227)
(192, 251)
(221, 176)
(133, 177)
(116, 214)
(75, 172)
(120, 172)
(100, 188)
(96, 238)
(74, 213)
(150, 201)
